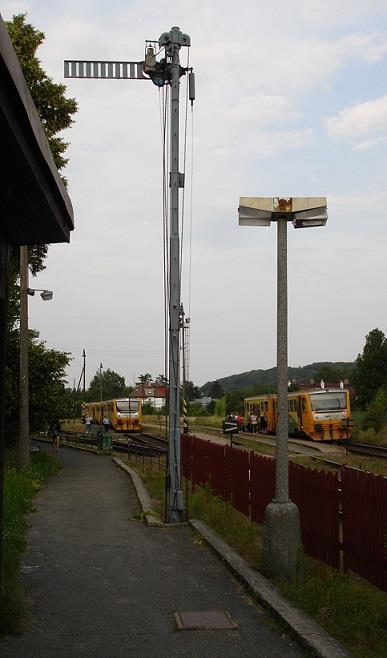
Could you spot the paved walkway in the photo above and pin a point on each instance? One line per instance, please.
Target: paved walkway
(103, 584)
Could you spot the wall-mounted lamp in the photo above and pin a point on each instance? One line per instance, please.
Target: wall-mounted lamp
(46, 295)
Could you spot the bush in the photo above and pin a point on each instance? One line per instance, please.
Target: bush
(197, 410)
(19, 490)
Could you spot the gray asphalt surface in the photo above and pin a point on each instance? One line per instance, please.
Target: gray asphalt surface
(101, 583)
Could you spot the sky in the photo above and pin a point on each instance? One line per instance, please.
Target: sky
(291, 100)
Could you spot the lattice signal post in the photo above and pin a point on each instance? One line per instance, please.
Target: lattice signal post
(166, 70)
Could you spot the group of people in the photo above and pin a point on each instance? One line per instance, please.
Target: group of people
(239, 420)
(257, 423)
(89, 420)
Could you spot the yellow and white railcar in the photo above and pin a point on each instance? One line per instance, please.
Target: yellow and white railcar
(319, 414)
(125, 414)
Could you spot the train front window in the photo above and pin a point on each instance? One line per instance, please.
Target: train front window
(124, 406)
(328, 401)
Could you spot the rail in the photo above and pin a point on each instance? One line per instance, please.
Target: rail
(367, 449)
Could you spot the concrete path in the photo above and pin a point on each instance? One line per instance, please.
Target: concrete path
(103, 584)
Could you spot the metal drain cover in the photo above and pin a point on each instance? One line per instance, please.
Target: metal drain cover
(205, 619)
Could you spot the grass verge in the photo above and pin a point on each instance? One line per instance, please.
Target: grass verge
(19, 490)
(347, 606)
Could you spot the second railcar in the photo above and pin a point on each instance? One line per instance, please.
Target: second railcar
(319, 414)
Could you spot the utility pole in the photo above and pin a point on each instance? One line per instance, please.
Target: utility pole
(83, 374)
(24, 425)
(84, 371)
(165, 71)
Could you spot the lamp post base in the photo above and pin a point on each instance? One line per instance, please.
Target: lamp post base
(281, 540)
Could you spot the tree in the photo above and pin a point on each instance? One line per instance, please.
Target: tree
(55, 112)
(109, 383)
(192, 391)
(370, 371)
(376, 414)
(46, 384)
(47, 402)
(161, 380)
(54, 109)
(220, 408)
(215, 390)
(145, 379)
(329, 373)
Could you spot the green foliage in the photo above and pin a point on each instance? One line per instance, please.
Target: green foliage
(19, 489)
(376, 415)
(214, 390)
(332, 373)
(192, 391)
(197, 409)
(370, 372)
(145, 378)
(46, 366)
(55, 112)
(235, 402)
(349, 608)
(47, 402)
(234, 527)
(148, 409)
(47, 375)
(220, 407)
(113, 386)
(54, 109)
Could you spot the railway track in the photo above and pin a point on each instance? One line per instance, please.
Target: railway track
(141, 444)
(368, 450)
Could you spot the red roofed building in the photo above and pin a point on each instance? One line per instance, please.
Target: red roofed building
(151, 393)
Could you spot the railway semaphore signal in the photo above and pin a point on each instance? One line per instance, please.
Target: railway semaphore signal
(166, 70)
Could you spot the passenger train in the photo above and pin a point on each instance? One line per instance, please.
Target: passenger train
(319, 414)
(125, 414)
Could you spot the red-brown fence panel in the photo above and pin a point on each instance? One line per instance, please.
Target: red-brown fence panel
(262, 485)
(216, 468)
(364, 501)
(199, 470)
(237, 484)
(316, 495)
(186, 456)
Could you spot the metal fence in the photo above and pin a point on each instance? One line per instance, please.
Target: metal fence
(343, 515)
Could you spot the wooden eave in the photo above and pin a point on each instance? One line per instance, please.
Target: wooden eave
(34, 205)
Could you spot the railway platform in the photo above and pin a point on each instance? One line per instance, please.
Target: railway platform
(101, 583)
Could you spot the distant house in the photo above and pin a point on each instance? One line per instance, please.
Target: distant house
(151, 393)
(204, 401)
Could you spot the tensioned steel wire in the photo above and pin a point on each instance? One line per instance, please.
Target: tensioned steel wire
(164, 123)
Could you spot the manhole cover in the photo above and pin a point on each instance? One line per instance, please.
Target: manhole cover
(206, 619)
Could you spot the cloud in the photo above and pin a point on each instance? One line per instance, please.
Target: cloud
(263, 108)
(364, 125)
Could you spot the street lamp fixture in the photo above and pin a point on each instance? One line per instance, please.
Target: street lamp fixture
(282, 535)
(303, 212)
(46, 295)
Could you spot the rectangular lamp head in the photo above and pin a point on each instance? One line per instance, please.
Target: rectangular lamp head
(253, 216)
(310, 218)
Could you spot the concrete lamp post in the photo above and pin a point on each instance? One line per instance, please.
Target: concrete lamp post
(282, 535)
(46, 295)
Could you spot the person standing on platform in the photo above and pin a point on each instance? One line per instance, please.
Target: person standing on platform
(253, 422)
(55, 436)
(88, 420)
(106, 423)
